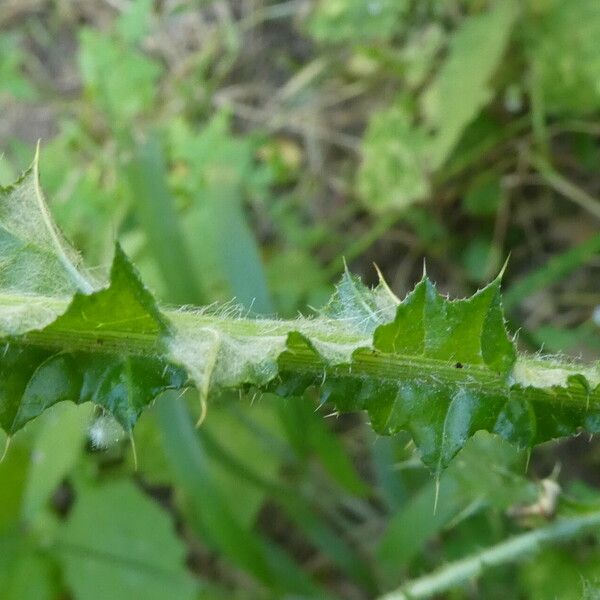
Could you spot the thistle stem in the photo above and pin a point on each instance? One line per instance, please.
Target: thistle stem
(512, 550)
(533, 379)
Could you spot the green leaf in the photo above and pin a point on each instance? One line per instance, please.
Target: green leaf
(120, 80)
(63, 301)
(439, 369)
(132, 551)
(35, 257)
(41, 267)
(356, 20)
(427, 326)
(399, 156)
(566, 65)
(146, 175)
(394, 171)
(218, 177)
(55, 452)
(462, 86)
(485, 473)
(106, 368)
(452, 371)
(467, 331)
(25, 573)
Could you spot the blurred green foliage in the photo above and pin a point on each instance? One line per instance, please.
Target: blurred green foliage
(241, 149)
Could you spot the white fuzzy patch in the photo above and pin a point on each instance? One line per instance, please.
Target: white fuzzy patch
(546, 374)
(105, 432)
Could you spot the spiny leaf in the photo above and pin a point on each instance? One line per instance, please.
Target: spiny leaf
(469, 332)
(362, 308)
(124, 309)
(113, 359)
(35, 257)
(440, 369)
(446, 369)
(81, 340)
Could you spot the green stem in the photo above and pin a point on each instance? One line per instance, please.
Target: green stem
(528, 373)
(511, 550)
(565, 187)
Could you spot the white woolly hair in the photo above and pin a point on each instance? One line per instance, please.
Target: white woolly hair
(105, 432)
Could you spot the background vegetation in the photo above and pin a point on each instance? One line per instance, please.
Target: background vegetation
(239, 149)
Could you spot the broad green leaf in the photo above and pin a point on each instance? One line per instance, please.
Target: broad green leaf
(25, 573)
(131, 552)
(55, 452)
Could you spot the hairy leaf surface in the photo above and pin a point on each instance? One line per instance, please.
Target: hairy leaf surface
(438, 368)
